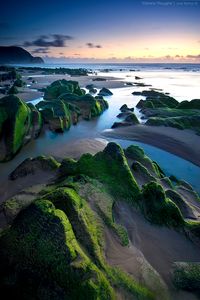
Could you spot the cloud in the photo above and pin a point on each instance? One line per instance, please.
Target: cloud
(91, 45)
(53, 40)
(193, 56)
(41, 51)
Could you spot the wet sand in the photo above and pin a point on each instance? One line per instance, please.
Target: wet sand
(160, 246)
(183, 143)
(41, 81)
(8, 188)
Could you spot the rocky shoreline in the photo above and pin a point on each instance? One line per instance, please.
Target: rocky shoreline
(82, 194)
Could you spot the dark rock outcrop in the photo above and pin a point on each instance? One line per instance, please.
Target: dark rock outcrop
(17, 55)
(125, 108)
(120, 124)
(105, 92)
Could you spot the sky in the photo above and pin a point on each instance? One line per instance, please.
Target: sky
(104, 31)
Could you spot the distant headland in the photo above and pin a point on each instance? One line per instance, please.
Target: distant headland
(16, 55)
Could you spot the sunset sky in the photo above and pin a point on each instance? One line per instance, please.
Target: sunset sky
(107, 31)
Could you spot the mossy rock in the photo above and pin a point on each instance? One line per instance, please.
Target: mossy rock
(59, 87)
(136, 153)
(41, 259)
(132, 119)
(88, 105)
(186, 276)
(139, 170)
(36, 121)
(158, 209)
(183, 122)
(13, 90)
(81, 218)
(19, 82)
(184, 207)
(56, 114)
(193, 104)
(32, 165)
(68, 167)
(15, 124)
(157, 99)
(111, 168)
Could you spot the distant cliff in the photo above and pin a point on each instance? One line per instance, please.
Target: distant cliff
(16, 55)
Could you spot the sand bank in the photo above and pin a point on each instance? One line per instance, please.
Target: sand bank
(183, 143)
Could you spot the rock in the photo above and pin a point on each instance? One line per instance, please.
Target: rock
(141, 104)
(183, 122)
(15, 125)
(137, 77)
(59, 87)
(19, 82)
(52, 263)
(89, 86)
(124, 108)
(32, 165)
(123, 115)
(193, 104)
(186, 276)
(120, 124)
(93, 91)
(139, 170)
(56, 114)
(13, 90)
(141, 84)
(184, 207)
(158, 99)
(89, 106)
(137, 93)
(132, 119)
(17, 55)
(105, 92)
(99, 79)
(36, 121)
(68, 167)
(158, 209)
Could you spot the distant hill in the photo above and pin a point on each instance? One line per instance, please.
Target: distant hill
(17, 55)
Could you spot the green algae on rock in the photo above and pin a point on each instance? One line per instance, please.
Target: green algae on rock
(186, 276)
(15, 125)
(42, 256)
(158, 208)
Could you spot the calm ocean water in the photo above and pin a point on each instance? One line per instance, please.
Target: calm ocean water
(123, 66)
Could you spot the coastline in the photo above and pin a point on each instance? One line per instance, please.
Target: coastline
(183, 143)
